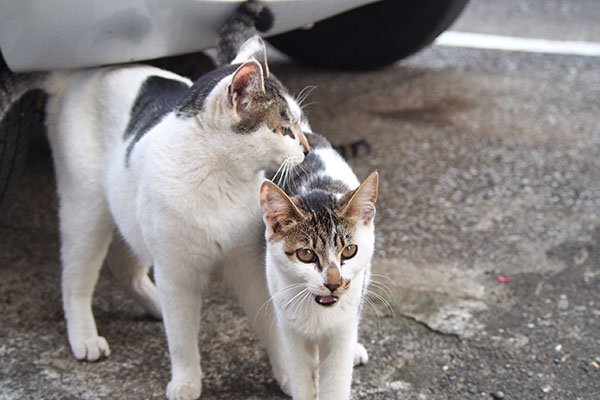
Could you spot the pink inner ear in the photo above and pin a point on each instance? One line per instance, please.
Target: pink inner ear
(244, 75)
(362, 200)
(278, 209)
(245, 80)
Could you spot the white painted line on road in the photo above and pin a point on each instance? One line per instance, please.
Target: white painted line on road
(511, 43)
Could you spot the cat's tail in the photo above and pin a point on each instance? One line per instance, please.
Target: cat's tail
(357, 148)
(249, 18)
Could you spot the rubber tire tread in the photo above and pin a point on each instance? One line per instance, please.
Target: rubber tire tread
(371, 36)
(16, 130)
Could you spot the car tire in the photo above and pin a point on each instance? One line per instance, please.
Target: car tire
(371, 36)
(16, 129)
(15, 136)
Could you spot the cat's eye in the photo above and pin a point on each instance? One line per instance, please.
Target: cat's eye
(285, 131)
(349, 251)
(306, 255)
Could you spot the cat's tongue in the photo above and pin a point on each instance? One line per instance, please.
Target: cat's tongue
(327, 299)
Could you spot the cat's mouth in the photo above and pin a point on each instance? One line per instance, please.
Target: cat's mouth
(326, 301)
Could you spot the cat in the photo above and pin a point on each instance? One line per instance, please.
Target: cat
(315, 172)
(153, 169)
(320, 239)
(174, 168)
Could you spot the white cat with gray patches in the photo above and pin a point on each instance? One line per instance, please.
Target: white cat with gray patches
(320, 240)
(174, 168)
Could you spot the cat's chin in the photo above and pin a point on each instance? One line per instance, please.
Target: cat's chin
(289, 161)
(326, 301)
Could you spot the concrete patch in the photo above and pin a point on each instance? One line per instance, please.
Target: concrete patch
(443, 297)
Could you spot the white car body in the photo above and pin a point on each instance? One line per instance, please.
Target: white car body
(42, 34)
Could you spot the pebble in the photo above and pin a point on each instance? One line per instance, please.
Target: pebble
(563, 303)
(400, 386)
(558, 348)
(498, 395)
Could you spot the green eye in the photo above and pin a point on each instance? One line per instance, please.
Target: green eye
(306, 255)
(349, 251)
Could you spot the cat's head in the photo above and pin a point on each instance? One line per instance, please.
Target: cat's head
(247, 103)
(320, 241)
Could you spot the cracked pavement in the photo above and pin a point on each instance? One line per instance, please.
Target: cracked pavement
(488, 238)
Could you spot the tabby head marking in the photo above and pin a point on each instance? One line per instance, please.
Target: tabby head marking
(247, 103)
(319, 240)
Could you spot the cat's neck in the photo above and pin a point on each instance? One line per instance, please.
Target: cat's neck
(195, 153)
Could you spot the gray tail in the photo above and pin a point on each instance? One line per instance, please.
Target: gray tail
(248, 19)
(354, 149)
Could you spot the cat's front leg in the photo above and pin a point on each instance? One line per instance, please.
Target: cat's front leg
(361, 356)
(302, 361)
(180, 299)
(337, 356)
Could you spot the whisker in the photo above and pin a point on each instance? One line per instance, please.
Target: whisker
(277, 293)
(278, 314)
(387, 305)
(282, 175)
(370, 302)
(385, 277)
(288, 175)
(301, 302)
(304, 93)
(305, 106)
(383, 287)
(291, 302)
(277, 172)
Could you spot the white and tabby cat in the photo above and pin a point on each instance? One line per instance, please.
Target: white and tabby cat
(175, 168)
(319, 247)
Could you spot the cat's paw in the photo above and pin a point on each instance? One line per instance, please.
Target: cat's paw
(90, 349)
(281, 376)
(360, 355)
(284, 385)
(183, 390)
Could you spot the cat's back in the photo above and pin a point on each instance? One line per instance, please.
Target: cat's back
(323, 170)
(102, 100)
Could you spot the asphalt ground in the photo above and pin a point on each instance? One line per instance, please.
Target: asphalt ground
(488, 236)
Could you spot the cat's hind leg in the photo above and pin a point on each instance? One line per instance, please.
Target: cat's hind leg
(133, 276)
(245, 274)
(86, 229)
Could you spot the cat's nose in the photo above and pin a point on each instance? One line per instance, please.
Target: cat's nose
(303, 141)
(332, 286)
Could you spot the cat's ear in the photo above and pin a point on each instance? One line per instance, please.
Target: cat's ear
(253, 48)
(360, 203)
(247, 81)
(279, 210)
